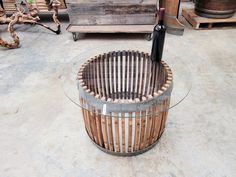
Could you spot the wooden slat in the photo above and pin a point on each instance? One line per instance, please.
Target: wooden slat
(114, 74)
(116, 83)
(99, 128)
(137, 130)
(143, 128)
(117, 135)
(98, 79)
(122, 72)
(132, 72)
(145, 61)
(140, 76)
(157, 122)
(94, 128)
(153, 122)
(158, 116)
(137, 75)
(165, 113)
(104, 131)
(100, 74)
(149, 125)
(110, 9)
(149, 75)
(119, 82)
(123, 133)
(137, 127)
(86, 116)
(144, 2)
(111, 141)
(106, 80)
(111, 69)
(94, 76)
(136, 19)
(130, 135)
(163, 104)
(124, 58)
(110, 28)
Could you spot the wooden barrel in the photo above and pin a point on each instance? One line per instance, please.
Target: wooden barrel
(215, 8)
(125, 101)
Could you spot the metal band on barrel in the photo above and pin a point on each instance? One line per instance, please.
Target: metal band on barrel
(124, 107)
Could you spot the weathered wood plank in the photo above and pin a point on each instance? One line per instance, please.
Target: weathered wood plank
(154, 2)
(142, 19)
(111, 29)
(108, 9)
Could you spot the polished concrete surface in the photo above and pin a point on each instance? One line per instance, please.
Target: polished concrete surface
(42, 133)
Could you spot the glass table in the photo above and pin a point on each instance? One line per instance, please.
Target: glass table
(125, 97)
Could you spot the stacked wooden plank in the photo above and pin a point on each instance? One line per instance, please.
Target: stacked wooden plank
(9, 5)
(40, 4)
(107, 12)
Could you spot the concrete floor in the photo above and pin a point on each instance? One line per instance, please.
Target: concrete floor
(42, 132)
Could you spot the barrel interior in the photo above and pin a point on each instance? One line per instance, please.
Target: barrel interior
(125, 77)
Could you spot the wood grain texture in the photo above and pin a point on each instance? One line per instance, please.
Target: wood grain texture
(129, 19)
(111, 12)
(111, 29)
(110, 9)
(144, 2)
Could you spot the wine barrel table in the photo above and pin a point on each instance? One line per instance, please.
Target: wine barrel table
(125, 98)
(215, 8)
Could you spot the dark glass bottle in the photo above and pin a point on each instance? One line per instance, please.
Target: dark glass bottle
(158, 38)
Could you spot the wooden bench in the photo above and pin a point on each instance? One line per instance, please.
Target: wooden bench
(94, 16)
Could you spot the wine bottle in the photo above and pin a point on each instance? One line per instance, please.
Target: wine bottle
(158, 38)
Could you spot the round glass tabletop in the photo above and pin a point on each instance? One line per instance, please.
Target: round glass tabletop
(118, 82)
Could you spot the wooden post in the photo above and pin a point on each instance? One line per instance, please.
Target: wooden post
(171, 18)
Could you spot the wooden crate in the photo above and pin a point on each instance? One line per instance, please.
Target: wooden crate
(9, 5)
(107, 12)
(206, 23)
(40, 4)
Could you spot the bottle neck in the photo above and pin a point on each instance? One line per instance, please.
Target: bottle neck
(161, 16)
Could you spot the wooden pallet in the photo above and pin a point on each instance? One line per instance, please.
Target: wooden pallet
(206, 23)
